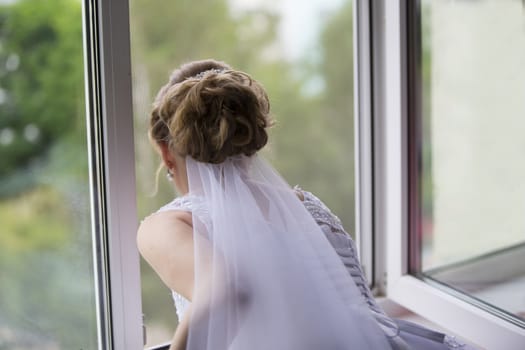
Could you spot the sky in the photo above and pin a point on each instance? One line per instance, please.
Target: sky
(300, 20)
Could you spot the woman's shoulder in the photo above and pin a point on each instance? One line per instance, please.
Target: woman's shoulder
(169, 219)
(165, 241)
(162, 225)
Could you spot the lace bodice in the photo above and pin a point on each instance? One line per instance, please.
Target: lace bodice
(342, 243)
(347, 251)
(189, 203)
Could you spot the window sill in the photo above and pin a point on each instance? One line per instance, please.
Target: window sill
(397, 311)
(445, 309)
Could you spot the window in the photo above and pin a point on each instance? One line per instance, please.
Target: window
(69, 264)
(45, 213)
(449, 114)
(472, 194)
(110, 130)
(301, 52)
(439, 102)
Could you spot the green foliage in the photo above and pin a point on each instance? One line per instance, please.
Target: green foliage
(46, 283)
(337, 68)
(20, 217)
(313, 144)
(46, 298)
(41, 76)
(427, 183)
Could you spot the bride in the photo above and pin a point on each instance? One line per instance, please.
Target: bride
(252, 263)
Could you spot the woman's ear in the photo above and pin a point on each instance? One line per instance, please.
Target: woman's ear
(167, 156)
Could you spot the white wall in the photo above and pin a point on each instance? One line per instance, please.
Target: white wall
(478, 126)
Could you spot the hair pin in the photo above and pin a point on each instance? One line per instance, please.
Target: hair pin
(205, 72)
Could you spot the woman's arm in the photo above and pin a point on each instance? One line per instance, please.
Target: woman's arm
(165, 241)
(180, 338)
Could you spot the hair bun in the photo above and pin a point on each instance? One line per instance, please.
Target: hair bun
(215, 114)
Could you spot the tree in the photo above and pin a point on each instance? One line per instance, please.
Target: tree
(314, 143)
(41, 72)
(337, 111)
(45, 253)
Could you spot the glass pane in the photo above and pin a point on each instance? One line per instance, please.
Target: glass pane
(47, 298)
(473, 193)
(302, 52)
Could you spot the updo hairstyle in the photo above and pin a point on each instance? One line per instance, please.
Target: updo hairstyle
(211, 112)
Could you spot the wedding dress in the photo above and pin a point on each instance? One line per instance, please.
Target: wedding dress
(366, 327)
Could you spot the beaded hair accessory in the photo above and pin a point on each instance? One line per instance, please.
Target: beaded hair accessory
(206, 72)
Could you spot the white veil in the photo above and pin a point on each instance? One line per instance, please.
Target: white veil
(266, 277)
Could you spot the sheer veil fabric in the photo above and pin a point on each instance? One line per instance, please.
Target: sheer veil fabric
(265, 275)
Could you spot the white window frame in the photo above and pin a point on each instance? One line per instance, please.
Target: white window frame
(364, 141)
(381, 177)
(392, 188)
(112, 173)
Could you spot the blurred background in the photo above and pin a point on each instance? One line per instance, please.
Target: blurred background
(302, 53)
(46, 275)
(473, 100)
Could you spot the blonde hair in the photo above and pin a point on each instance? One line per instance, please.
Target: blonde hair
(211, 112)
